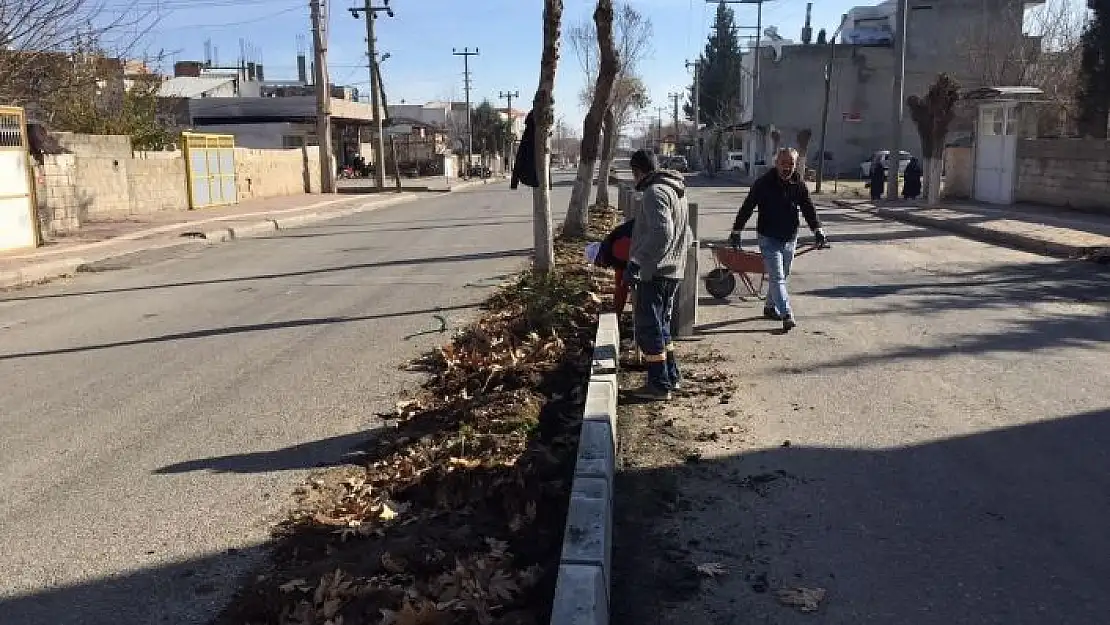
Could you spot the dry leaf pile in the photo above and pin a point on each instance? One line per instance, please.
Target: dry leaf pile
(456, 512)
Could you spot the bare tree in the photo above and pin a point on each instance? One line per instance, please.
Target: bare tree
(632, 32)
(578, 212)
(933, 115)
(543, 111)
(1039, 48)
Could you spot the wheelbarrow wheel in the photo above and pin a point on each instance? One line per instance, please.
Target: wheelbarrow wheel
(720, 283)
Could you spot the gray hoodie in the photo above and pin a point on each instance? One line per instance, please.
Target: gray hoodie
(662, 234)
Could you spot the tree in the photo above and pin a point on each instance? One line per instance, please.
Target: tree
(490, 130)
(543, 111)
(720, 100)
(578, 212)
(805, 135)
(1037, 48)
(933, 114)
(632, 32)
(1094, 69)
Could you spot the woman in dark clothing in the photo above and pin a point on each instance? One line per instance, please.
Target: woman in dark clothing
(878, 178)
(911, 187)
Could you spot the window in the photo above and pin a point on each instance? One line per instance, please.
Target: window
(990, 122)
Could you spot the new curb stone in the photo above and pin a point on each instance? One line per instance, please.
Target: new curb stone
(582, 588)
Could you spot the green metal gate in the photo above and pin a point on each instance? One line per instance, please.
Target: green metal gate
(210, 169)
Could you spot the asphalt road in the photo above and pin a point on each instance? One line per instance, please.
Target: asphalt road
(157, 414)
(930, 446)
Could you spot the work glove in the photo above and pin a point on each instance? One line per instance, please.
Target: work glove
(734, 239)
(819, 238)
(632, 275)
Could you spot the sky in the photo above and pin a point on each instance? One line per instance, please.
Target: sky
(420, 38)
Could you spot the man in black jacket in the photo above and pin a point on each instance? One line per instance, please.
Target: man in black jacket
(779, 194)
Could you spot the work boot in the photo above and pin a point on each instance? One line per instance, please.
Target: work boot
(657, 386)
(788, 323)
(673, 373)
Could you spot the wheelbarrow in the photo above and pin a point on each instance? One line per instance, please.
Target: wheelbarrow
(732, 262)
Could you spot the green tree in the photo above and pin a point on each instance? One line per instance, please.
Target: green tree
(1094, 72)
(720, 67)
(490, 130)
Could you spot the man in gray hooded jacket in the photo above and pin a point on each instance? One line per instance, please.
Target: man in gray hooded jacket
(657, 260)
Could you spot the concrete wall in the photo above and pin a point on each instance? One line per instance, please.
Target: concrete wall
(959, 167)
(269, 173)
(791, 88)
(1073, 173)
(74, 188)
(107, 146)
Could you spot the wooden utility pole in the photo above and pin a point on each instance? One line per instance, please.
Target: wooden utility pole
(898, 100)
(674, 98)
(466, 54)
(371, 13)
(323, 96)
(509, 95)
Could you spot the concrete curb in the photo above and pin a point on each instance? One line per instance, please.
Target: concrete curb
(1016, 240)
(582, 587)
(57, 268)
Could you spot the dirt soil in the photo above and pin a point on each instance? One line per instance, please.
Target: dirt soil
(455, 512)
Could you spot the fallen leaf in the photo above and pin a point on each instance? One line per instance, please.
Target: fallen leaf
(466, 463)
(804, 599)
(295, 584)
(712, 569)
(387, 513)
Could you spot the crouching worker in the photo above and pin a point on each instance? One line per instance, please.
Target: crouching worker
(657, 260)
(613, 254)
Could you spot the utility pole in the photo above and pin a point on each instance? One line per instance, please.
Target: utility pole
(466, 54)
(371, 13)
(659, 129)
(674, 98)
(509, 95)
(697, 110)
(323, 96)
(825, 109)
(898, 97)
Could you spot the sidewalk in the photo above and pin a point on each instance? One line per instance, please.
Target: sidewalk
(100, 240)
(1039, 229)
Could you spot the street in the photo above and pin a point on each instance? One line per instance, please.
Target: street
(929, 446)
(159, 411)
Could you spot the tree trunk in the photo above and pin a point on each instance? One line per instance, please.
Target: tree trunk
(578, 212)
(608, 149)
(933, 172)
(543, 110)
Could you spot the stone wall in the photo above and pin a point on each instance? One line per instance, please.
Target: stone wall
(59, 209)
(1073, 173)
(105, 146)
(270, 173)
(157, 184)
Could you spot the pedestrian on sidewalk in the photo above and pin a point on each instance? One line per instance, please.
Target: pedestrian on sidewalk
(878, 177)
(657, 261)
(779, 194)
(911, 184)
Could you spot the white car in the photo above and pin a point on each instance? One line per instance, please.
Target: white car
(903, 160)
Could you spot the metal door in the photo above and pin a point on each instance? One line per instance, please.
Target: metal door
(17, 187)
(210, 169)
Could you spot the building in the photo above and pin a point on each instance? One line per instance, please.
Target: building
(952, 36)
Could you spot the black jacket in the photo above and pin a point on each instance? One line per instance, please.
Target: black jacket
(524, 169)
(778, 201)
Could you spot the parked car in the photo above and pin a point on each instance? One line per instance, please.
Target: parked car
(903, 160)
(734, 161)
(678, 163)
(479, 171)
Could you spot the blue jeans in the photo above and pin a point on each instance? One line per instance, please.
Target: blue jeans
(777, 257)
(654, 309)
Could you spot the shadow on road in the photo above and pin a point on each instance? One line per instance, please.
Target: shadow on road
(328, 452)
(1005, 526)
(429, 260)
(228, 330)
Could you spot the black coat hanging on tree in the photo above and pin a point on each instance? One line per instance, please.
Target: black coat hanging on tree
(524, 169)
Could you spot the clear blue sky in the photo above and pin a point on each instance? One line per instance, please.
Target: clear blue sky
(420, 37)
